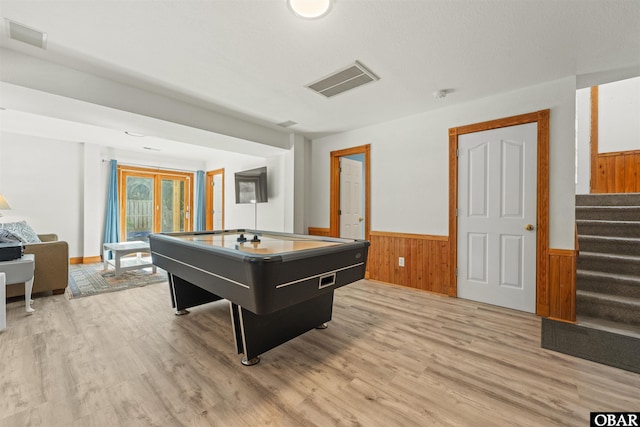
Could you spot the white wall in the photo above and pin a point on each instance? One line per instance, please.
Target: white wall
(619, 116)
(409, 162)
(42, 180)
(61, 186)
(618, 124)
(270, 215)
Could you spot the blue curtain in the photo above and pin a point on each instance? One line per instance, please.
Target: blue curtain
(112, 223)
(200, 212)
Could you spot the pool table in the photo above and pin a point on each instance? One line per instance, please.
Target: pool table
(279, 285)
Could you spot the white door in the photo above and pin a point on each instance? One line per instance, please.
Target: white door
(217, 201)
(497, 216)
(351, 220)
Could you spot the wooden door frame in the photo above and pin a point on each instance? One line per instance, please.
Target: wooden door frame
(593, 179)
(209, 197)
(334, 198)
(542, 237)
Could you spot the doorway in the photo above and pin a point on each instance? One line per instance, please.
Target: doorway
(541, 118)
(343, 185)
(153, 201)
(214, 199)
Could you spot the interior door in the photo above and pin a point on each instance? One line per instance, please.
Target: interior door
(351, 220)
(497, 216)
(215, 200)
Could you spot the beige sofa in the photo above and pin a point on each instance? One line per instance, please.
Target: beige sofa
(52, 266)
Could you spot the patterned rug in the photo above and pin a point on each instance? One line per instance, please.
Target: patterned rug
(92, 279)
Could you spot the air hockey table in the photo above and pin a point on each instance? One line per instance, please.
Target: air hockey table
(279, 285)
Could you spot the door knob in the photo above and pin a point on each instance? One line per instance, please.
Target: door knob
(528, 227)
(360, 219)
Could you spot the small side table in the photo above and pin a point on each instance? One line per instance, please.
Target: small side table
(16, 271)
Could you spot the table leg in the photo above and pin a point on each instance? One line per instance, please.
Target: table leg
(105, 257)
(28, 287)
(3, 301)
(116, 259)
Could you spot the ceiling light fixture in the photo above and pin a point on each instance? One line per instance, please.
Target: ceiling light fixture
(310, 9)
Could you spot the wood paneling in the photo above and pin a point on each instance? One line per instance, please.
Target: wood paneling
(542, 237)
(426, 260)
(317, 231)
(617, 172)
(562, 284)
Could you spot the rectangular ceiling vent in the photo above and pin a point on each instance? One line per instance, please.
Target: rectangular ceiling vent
(25, 34)
(343, 80)
(287, 124)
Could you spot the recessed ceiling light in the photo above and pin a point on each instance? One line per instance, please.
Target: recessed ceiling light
(310, 9)
(137, 135)
(439, 94)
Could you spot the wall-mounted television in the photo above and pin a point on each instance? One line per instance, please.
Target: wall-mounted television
(251, 186)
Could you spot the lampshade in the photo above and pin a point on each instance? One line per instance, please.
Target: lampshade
(310, 9)
(3, 203)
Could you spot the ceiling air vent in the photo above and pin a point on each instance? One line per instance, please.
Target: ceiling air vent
(287, 124)
(26, 34)
(343, 80)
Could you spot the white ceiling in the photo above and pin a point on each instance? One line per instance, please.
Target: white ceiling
(252, 58)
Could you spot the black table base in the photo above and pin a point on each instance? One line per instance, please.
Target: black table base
(257, 333)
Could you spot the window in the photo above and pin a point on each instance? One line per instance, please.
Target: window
(153, 201)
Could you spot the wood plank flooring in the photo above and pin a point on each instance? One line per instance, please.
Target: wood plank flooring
(392, 356)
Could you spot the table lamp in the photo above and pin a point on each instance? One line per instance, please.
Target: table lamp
(3, 204)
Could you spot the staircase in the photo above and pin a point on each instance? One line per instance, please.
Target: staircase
(607, 284)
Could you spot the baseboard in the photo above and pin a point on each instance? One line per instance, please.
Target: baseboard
(91, 259)
(75, 260)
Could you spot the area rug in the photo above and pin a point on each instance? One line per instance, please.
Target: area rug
(93, 279)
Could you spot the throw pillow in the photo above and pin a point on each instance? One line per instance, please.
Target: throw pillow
(22, 231)
(8, 237)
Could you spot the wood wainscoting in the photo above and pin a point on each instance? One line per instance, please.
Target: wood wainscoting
(612, 172)
(318, 231)
(617, 172)
(426, 260)
(562, 284)
(427, 265)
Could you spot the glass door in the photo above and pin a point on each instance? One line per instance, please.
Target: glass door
(174, 205)
(139, 218)
(153, 201)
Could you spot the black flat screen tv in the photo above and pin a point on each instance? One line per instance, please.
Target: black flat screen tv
(251, 186)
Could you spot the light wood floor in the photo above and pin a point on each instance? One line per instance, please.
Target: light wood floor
(390, 357)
